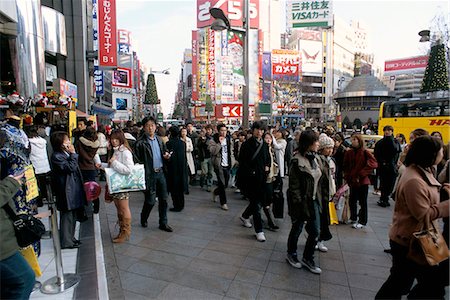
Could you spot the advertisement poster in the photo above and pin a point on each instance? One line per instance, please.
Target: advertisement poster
(236, 53)
(107, 34)
(211, 64)
(194, 65)
(285, 65)
(32, 190)
(310, 13)
(312, 58)
(202, 64)
(121, 103)
(122, 78)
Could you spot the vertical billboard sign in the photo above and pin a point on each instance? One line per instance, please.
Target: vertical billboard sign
(267, 78)
(285, 65)
(310, 13)
(236, 53)
(98, 74)
(260, 59)
(194, 66)
(211, 64)
(107, 32)
(232, 9)
(124, 37)
(202, 64)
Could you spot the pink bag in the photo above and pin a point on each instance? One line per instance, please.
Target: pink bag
(92, 190)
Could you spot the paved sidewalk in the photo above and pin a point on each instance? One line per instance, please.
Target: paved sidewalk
(210, 255)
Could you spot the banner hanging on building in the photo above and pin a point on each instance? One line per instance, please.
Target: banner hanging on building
(310, 13)
(236, 53)
(211, 64)
(124, 37)
(418, 62)
(233, 10)
(194, 65)
(107, 32)
(202, 64)
(311, 55)
(285, 65)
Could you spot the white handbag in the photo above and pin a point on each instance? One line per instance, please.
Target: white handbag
(120, 183)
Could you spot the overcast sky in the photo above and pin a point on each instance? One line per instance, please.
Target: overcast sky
(161, 30)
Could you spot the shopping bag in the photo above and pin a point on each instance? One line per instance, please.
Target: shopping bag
(92, 190)
(120, 183)
(30, 256)
(333, 215)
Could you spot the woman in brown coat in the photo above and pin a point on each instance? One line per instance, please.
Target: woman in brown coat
(417, 199)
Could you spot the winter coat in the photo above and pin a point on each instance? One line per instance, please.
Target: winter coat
(177, 166)
(124, 160)
(215, 148)
(189, 155)
(291, 146)
(8, 188)
(387, 152)
(417, 198)
(300, 194)
(38, 155)
(103, 144)
(252, 174)
(280, 151)
(144, 154)
(358, 165)
(202, 147)
(339, 159)
(86, 150)
(67, 183)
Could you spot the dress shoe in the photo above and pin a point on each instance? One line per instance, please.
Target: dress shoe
(166, 227)
(74, 246)
(382, 204)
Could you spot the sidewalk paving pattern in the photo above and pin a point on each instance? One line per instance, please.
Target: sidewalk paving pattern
(210, 255)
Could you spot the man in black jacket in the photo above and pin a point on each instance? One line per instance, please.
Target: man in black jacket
(387, 151)
(254, 165)
(152, 152)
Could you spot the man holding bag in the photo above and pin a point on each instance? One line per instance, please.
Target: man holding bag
(152, 152)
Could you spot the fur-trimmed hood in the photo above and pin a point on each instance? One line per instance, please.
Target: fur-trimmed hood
(89, 143)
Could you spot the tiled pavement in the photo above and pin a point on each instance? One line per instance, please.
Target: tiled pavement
(210, 255)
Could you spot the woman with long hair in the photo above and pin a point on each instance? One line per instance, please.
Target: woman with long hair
(304, 197)
(269, 186)
(122, 162)
(358, 165)
(417, 201)
(189, 150)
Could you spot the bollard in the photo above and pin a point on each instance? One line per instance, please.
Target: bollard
(48, 234)
(61, 282)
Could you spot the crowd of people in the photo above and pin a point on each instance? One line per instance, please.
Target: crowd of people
(255, 162)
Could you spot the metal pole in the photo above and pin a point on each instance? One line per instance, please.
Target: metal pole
(246, 88)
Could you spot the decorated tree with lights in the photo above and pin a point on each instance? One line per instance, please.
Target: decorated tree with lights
(151, 95)
(436, 73)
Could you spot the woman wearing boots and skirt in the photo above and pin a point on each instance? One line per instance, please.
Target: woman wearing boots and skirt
(122, 162)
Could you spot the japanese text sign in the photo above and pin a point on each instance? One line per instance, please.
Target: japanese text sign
(232, 9)
(310, 14)
(285, 65)
(107, 31)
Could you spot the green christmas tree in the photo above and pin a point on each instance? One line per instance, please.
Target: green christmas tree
(436, 75)
(208, 104)
(151, 95)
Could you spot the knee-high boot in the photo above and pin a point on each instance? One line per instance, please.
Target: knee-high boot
(119, 222)
(146, 209)
(270, 218)
(125, 231)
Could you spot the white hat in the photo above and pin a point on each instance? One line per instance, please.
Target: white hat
(325, 141)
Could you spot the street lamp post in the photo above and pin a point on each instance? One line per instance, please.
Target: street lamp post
(220, 23)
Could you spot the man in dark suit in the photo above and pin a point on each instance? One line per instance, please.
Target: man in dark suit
(152, 152)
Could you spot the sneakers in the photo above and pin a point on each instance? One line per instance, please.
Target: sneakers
(246, 222)
(224, 207)
(311, 265)
(293, 261)
(260, 237)
(358, 226)
(377, 193)
(237, 191)
(321, 247)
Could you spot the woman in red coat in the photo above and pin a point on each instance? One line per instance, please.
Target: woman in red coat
(358, 165)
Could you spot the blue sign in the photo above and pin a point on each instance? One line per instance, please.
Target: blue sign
(98, 80)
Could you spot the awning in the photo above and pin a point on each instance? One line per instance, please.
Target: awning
(102, 110)
(81, 113)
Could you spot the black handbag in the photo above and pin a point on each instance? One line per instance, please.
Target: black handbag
(28, 229)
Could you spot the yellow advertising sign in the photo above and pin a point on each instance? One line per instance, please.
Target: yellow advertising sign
(31, 186)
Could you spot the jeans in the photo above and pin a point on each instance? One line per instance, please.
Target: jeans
(313, 230)
(17, 277)
(221, 186)
(404, 271)
(207, 175)
(358, 194)
(160, 192)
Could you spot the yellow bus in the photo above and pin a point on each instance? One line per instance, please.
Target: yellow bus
(405, 116)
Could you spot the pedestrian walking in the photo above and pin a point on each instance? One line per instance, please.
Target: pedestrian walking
(67, 185)
(236, 151)
(177, 173)
(268, 196)
(358, 165)
(417, 201)
(254, 166)
(205, 158)
(122, 162)
(387, 151)
(220, 148)
(152, 152)
(338, 155)
(189, 154)
(304, 203)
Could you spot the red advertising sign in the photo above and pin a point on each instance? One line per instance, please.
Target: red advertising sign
(232, 9)
(228, 111)
(122, 78)
(211, 64)
(107, 34)
(407, 63)
(285, 65)
(194, 65)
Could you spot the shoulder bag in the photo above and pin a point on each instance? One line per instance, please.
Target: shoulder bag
(28, 229)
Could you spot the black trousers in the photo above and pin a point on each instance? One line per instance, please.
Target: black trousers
(388, 174)
(254, 209)
(358, 195)
(403, 272)
(178, 200)
(221, 186)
